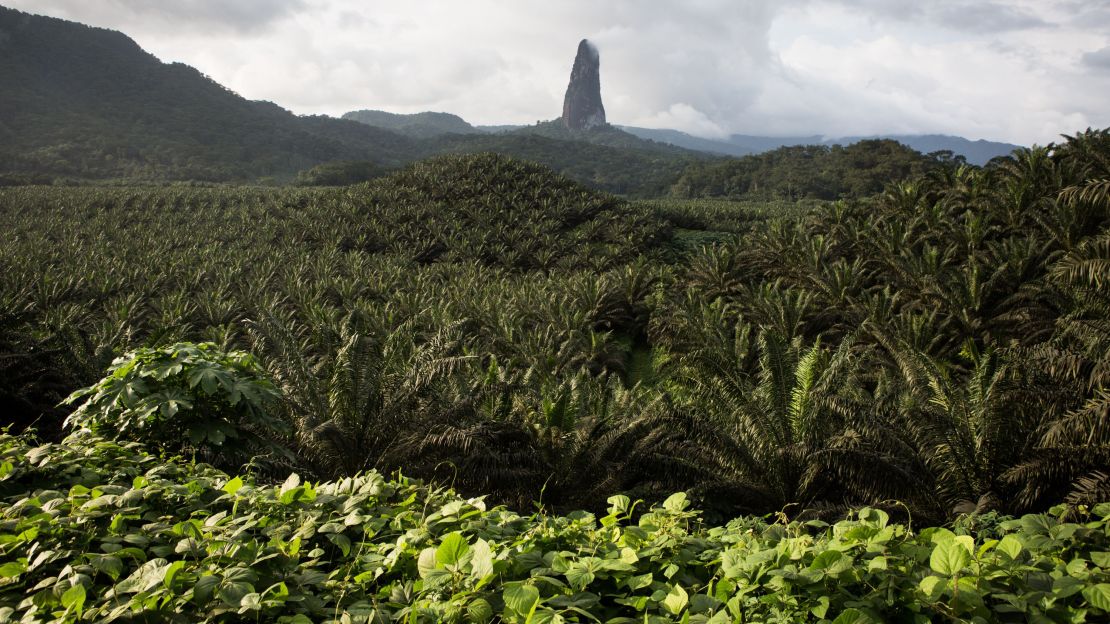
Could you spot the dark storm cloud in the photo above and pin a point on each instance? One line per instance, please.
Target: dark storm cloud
(1099, 59)
(177, 15)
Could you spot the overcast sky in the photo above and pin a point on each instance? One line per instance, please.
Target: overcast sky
(1022, 71)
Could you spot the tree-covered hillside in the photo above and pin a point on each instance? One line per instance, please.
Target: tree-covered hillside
(811, 171)
(418, 125)
(83, 102)
(87, 104)
(634, 172)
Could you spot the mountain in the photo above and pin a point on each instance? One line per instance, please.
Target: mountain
(582, 108)
(609, 136)
(647, 170)
(89, 103)
(806, 172)
(976, 152)
(82, 103)
(419, 125)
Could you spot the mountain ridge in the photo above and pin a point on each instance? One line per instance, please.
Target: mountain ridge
(976, 151)
(91, 103)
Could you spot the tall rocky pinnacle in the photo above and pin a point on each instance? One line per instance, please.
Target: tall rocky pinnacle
(582, 107)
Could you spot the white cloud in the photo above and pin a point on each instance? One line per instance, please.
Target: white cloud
(1022, 70)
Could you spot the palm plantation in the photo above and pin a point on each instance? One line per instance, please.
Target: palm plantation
(941, 345)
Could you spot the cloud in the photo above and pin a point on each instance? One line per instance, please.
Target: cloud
(982, 16)
(240, 16)
(1020, 70)
(1099, 59)
(690, 119)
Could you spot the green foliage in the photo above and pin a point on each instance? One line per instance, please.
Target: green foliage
(81, 104)
(814, 172)
(93, 530)
(88, 103)
(341, 173)
(419, 125)
(180, 397)
(490, 324)
(628, 170)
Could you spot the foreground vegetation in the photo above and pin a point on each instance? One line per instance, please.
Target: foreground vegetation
(486, 323)
(93, 530)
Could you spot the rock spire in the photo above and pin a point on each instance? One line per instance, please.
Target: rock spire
(582, 107)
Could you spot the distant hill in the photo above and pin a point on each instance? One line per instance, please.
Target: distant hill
(641, 173)
(976, 152)
(607, 135)
(87, 102)
(429, 125)
(82, 103)
(493, 210)
(499, 129)
(604, 157)
(805, 172)
(418, 125)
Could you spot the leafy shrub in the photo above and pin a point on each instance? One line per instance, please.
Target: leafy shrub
(180, 397)
(93, 530)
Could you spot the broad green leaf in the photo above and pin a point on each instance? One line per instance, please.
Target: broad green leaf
(932, 587)
(821, 608)
(205, 587)
(108, 564)
(580, 574)
(292, 481)
(250, 602)
(545, 616)
(481, 560)
(452, 550)
(12, 569)
(638, 582)
(1098, 596)
(1010, 545)
(73, 599)
(171, 572)
(619, 504)
(826, 559)
(676, 502)
(676, 600)
(949, 557)
(479, 611)
(852, 616)
(426, 562)
(232, 593)
(521, 599)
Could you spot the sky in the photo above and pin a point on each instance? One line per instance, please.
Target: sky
(1021, 71)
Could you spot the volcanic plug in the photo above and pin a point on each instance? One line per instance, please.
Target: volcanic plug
(582, 108)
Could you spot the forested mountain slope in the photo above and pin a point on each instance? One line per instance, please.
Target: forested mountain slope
(87, 102)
